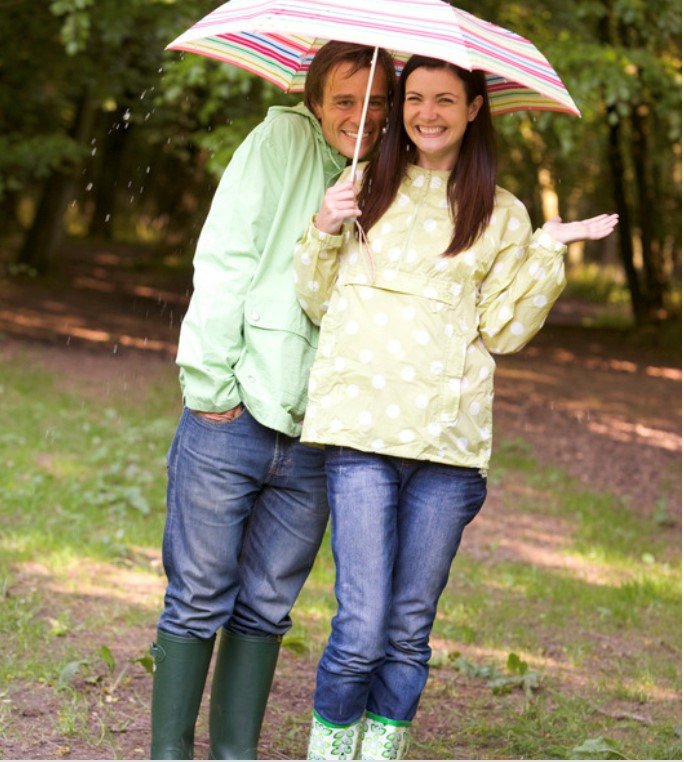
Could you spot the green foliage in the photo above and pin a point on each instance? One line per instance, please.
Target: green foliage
(518, 675)
(596, 748)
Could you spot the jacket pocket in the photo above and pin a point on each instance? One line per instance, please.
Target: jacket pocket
(279, 347)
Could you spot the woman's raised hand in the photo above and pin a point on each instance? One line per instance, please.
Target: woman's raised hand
(339, 204)
(582, 230)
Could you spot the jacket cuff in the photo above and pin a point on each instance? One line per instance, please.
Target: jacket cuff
(320, 239)
(542, 240)
(203, 405)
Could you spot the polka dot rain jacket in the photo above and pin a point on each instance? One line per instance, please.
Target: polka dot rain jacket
(404, 364)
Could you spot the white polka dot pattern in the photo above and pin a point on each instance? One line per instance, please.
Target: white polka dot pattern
(403, 363)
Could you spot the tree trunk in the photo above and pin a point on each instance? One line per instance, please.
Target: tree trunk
(46, 231)
(647, 210)
(106, 181)
(626, 249)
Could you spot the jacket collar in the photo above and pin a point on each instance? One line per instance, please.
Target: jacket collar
(333, 161)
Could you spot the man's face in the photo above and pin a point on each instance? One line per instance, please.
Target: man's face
(340, 110)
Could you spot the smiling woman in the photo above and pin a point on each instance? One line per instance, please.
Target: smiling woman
(437, 112)
(448, 274)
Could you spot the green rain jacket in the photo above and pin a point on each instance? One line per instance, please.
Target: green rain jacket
(244, 337)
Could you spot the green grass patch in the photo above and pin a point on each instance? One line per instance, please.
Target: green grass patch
(572, 654)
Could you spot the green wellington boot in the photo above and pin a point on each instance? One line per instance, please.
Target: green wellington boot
(383, 738)
(329, 741)
(180, 671)
(242, 681)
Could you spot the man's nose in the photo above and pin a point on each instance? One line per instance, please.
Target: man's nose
(357, 113)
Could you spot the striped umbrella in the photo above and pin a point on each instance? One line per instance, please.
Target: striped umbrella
(277, 39)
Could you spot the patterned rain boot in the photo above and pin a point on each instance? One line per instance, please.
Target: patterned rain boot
(383, 738)
(329, 741)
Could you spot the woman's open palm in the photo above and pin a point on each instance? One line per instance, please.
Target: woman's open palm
(591, 229)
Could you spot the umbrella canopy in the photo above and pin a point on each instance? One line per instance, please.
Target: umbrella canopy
(277, 39)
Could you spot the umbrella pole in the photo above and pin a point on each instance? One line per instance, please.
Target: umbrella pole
(364, 111)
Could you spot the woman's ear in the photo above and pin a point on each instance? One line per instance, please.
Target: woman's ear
(474, 107)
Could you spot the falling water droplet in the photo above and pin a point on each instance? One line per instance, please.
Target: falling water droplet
(89, 187)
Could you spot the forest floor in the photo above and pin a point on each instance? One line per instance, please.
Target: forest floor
(600, 405)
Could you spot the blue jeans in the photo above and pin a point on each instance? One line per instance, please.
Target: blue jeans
(396, 527)
(246, 512)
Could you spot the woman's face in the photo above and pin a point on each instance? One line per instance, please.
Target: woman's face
(436, 114)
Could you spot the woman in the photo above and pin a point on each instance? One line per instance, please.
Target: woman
(401, 389)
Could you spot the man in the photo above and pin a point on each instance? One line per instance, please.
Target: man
(246, 505)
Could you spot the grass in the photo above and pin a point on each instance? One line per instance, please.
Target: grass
(595, 622)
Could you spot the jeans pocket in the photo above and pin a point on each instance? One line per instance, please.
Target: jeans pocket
(198, 416)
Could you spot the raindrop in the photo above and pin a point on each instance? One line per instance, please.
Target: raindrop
(116, 349)
(73, 203)
(130, 182)
(160, 70)
(147, 171)
(127, 115)
(93, 141)
(143, 94)
(68, 341)
(89, 187)
(108, 217)
(147, 116)
(142, 188)
(93, 152)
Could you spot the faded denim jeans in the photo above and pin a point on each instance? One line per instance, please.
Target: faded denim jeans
(246, 512)
(396, 527)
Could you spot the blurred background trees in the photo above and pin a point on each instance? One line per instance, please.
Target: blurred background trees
(104, 134)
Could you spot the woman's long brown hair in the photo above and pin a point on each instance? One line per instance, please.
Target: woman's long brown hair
(472, 181)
